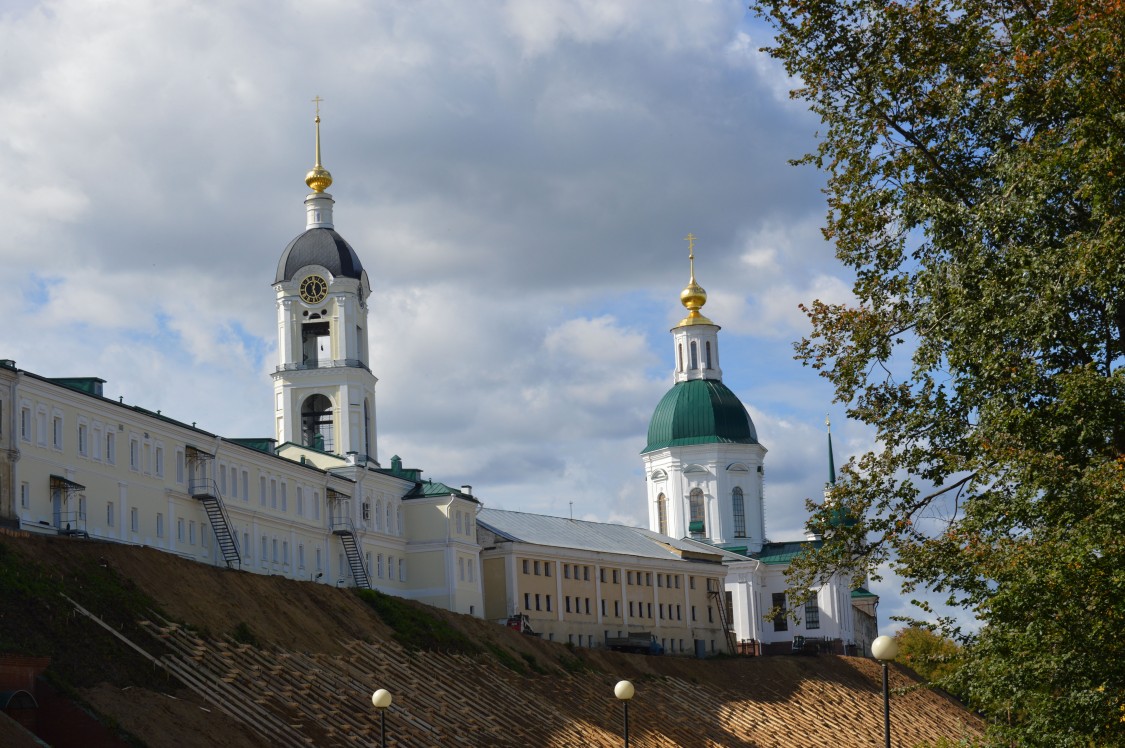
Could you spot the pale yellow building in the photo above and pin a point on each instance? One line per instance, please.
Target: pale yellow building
(585, 582)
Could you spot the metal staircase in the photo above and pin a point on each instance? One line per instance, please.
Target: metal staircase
(208, 494)
(716, 593)
(345, 529)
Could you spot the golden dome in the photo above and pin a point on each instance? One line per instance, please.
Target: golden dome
(693, 297)
(318, 179)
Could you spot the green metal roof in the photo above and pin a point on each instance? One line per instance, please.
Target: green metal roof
(784, 553)
(699, 411)
(860, 592)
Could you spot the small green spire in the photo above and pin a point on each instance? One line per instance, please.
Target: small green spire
(831, 458)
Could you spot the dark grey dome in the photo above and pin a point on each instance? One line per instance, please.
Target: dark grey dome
(322, 247)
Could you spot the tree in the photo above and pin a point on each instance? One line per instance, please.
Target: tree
(932, 656)
(975, 160)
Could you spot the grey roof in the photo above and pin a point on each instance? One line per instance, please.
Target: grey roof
(695, 546)
(539, 529)
(319, 246)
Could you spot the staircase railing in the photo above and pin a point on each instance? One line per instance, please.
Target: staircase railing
(207, 491)
(345, 528)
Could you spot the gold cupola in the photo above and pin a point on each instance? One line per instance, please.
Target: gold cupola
(693, 297)
(318, 179)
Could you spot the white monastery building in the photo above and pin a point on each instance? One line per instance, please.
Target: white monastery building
(314, 502)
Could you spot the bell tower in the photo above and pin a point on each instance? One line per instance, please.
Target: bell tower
(324, 391)
(703, 463)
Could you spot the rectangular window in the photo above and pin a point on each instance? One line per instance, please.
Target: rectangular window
(691, 582)
(629, 577)
(234, 482)
(318, 566)
(812, 615)
(526, 565)
(273, 493)
(366, 511)
(285, 555)
(649, 610)
(547, 568)
(25, 495)
(180, 529)
(566, 571)
(300, 502)
(134, 520)
(222, 471)
(527, 601)
(191, 532)
(83, 447)
(630, 608)
(134, 454)
(585, 573)
(25, 424)
(567, 603)
(56, 432)
(648, 580)
(459, 524)
(780, 622)
(601, 575)
(262, 490)
(693, 612)
(537, 605)
(285, 497)
(109, 514)
(710, 614)
(379, 565)
(41, 428)
(548, 602)
(275, 550)
(617, 608)
(159, 462)
(472, 570)
(616, 577)
(536, 568)
(402, 570)
(264, 555)
(179, 466)
(245, 485)
(587, 606)
(603, 606)
(159, 525)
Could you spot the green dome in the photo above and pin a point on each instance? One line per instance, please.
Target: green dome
(699, 411)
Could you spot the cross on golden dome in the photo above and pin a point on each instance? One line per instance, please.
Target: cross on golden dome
(693, 297)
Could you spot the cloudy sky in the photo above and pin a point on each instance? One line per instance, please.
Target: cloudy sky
(517, 178)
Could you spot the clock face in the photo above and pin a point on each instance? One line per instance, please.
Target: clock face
(313, 289)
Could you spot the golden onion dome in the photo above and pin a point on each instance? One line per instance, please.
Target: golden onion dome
(318, 179)
(693, 297)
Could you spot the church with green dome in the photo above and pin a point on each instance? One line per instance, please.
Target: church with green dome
(704, 472)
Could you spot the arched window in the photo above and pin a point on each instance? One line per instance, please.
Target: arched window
(739, 504)
(694, 355)
(680, 356)
(316, 423)
(697, 526)
(707, 355)
(662, 514)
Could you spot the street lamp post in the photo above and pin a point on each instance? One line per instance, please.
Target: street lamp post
(381, 700)
(885, 649)
(624, 691)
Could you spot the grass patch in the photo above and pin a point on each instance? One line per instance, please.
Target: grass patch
(243, 635)
(416, 628)
(507, 659)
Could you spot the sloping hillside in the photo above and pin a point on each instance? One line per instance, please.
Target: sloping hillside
(245, 660)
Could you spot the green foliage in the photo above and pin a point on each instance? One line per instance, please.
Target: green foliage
(975, 153)
(932, 656)
(243, 635)
(417, 628)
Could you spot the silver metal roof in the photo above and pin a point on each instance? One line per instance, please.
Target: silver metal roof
(539, 529)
